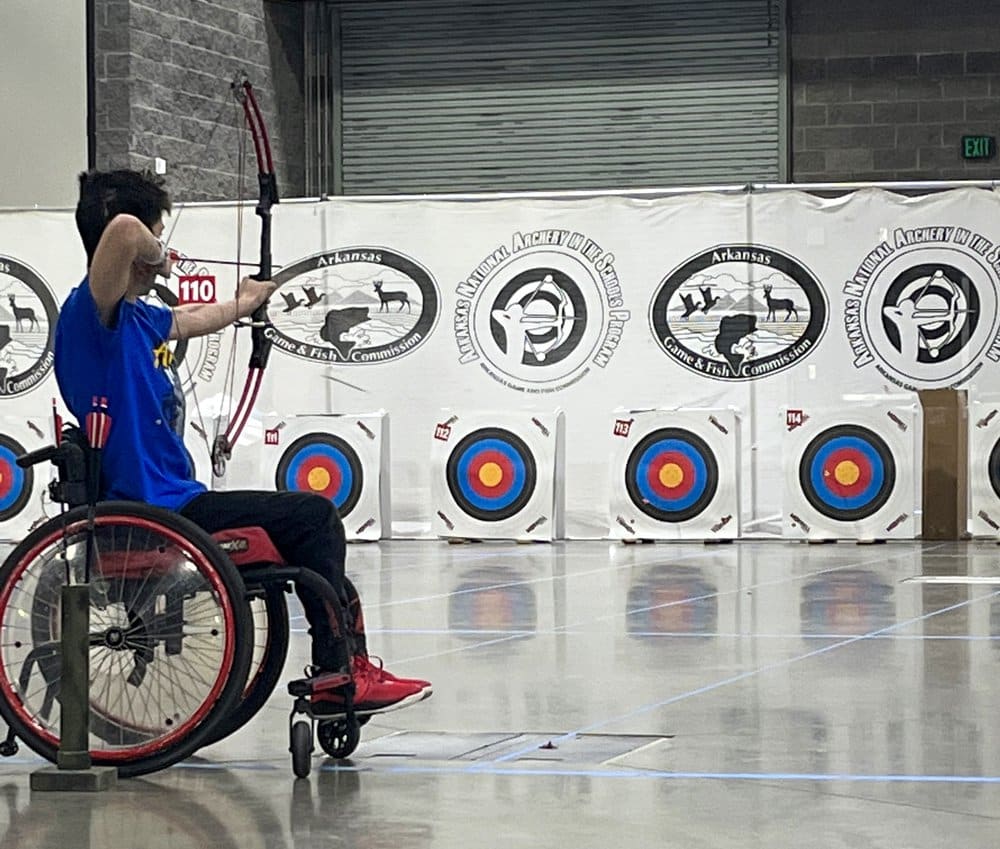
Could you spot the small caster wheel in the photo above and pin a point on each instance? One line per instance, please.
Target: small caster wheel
(338, 737)
(8, 748)
(301, 749)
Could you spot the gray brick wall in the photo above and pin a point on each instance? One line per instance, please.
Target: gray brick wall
(880, 90)
(164, 69)
(885, 90)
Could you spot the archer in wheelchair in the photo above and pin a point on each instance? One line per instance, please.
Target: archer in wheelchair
(188, 622)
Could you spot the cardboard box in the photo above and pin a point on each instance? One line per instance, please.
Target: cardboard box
(946, 473)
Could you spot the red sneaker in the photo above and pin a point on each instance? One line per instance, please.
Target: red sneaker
(384, 674)
(371, 695)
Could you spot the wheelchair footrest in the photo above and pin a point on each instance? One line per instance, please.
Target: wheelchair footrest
(323, 682)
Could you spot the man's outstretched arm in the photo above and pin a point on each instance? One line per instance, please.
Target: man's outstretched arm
(193, 320)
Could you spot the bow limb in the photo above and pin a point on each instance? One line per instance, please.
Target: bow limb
(259, 323)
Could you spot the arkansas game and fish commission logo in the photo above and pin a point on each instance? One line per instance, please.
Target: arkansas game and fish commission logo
(540, 310)
(28, 313)
(922, 306)
(739, 312)
(353, 306)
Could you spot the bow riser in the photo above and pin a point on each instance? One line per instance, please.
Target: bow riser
(261, 345)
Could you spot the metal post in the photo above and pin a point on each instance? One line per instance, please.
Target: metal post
(74, 769)
(74, 718)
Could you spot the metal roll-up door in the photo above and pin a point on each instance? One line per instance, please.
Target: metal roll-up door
(437, 96)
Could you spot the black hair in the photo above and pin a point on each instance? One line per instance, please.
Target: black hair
(105, 194)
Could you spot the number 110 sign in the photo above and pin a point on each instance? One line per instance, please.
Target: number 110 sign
(196, 289)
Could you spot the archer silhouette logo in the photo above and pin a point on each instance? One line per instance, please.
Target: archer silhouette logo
(922, 306)
(739, 312)
(353, 306)
(540, 311)
(28, 314)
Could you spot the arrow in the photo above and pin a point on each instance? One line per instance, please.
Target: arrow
(179, 259)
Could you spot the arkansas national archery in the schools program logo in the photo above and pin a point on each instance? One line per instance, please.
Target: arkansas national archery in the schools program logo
(353, 306)
(540, 310)
(28, 313)
(922, 306)
(739, 312)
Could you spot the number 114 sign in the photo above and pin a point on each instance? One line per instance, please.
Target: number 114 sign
(196, 289)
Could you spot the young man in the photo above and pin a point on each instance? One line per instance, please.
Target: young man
(110, 343)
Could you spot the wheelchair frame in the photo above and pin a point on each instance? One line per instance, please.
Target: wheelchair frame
(188, 635)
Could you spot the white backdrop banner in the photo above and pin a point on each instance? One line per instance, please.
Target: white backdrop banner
(757, 302)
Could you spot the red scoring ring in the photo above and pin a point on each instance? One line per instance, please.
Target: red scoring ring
(6, 477)
(849, 455)
(686, 466)
(319, 462)
(483, 457)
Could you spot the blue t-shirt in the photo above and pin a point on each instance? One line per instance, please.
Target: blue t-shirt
(130, 365)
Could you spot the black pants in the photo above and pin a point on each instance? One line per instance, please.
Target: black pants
(308, 533)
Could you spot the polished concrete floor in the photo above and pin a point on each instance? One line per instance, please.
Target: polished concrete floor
(592, 694)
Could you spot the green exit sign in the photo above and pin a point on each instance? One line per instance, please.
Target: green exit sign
(979, 147)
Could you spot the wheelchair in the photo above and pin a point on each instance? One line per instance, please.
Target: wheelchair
(188, 634)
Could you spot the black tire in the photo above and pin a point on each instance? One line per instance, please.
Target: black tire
(269, 615)
(301, 748)
(170, 635)
(339, 737)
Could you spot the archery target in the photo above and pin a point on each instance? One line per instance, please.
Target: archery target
(495, 476)
(984, 468)
(672, 475)
(22, 491)
(15, 483)
(322, 464)
(853, 475)
(847, 473)
(675, 474)
(491, 474)
(342, 458)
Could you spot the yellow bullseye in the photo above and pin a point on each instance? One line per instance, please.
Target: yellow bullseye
(490, 474)
(846, 473)
(671, 475)
(318, 479)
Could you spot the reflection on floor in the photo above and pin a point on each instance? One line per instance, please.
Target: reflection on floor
(592, 694)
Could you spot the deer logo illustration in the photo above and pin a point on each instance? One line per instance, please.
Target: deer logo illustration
(22, 315)
(387, 298)
(776, 304)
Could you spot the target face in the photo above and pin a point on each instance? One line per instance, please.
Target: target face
(322, 464)
(15, 482)
(672, 475)
(847, 473)
(491, 474)
(993, 470)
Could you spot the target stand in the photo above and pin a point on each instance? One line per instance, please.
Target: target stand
(675, 475)
(23, 492)
(984, 468)
(344, 458)
(498, 475)
(853, 472)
